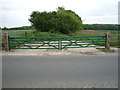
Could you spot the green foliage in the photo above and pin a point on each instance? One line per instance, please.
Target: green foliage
(114, 43)
(63, 21)
(18, 28)
(44, 34)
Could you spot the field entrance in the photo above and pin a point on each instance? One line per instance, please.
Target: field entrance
(56, 42)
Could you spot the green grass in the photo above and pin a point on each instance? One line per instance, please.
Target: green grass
(31, 33)
(114, 43)
(16, 33)
(45, 34)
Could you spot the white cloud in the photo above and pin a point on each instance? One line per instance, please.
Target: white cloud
(14, 19)
(16, 12)
(106, 19)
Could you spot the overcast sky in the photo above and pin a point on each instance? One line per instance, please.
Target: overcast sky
(15, 13)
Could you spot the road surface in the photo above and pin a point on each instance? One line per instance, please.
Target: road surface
(60, 71)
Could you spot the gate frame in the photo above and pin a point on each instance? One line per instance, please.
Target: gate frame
(7, 44)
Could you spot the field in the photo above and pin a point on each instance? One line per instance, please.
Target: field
(16, 33)
(97, 32)
(33, 33)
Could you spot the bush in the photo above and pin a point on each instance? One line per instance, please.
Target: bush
(62, 21)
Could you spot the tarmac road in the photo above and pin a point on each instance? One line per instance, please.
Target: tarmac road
(60, 71)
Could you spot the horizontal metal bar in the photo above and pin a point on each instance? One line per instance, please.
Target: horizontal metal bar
(30, 40)
(51, 37)
(99, 41)
(35, 48)
(78, 47)
(31, 37)
(81, 36)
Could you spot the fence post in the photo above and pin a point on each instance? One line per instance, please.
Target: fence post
(107, 46)
(6, 41)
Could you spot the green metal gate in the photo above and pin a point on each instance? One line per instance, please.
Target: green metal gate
(56, 42)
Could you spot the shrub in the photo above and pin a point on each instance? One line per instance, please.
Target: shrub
(63, 21)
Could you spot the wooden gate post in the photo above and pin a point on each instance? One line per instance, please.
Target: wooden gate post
(6, 41)
(107, 46)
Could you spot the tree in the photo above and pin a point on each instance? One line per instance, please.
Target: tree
(5, 28)
(70, 21)
(63, 21)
